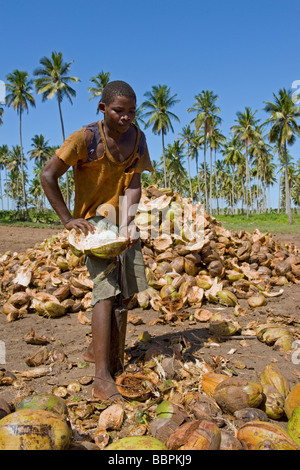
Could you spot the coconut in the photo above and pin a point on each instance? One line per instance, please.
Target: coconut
(254, 433)
(102, 243)
(273, 376)
(137, 443)
(134, 386)
(29, 429)
(293, 426)
(223, 325)
(210, 380)
(235, 394)
(292, 400)
(196, 435)
(111, 418)
(273, 404)
(42, 401)
(169, 410)
(47, 305)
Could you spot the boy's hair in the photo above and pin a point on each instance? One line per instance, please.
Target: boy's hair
(116, 88)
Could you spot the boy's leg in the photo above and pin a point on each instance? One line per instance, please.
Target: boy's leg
(117, 343)
(104, 385)
(118, 337)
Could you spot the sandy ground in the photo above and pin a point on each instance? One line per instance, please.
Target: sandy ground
(68, 335)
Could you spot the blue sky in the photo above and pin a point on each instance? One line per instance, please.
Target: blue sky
(244, 51)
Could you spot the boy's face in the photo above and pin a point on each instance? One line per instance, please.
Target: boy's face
(119, 114)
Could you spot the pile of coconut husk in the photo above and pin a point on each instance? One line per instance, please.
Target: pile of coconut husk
(190, 258)
(186, 407)
(187, 268)
(169, 402)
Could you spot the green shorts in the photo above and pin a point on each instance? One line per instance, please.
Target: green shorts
(105, 273)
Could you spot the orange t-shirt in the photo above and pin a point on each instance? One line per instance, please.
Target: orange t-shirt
(99, 183)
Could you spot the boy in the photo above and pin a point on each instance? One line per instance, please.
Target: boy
(108, 158)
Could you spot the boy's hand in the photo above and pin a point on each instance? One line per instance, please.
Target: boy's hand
(131, 232)
(80, 225)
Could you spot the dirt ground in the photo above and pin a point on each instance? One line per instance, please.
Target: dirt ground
(66, 334)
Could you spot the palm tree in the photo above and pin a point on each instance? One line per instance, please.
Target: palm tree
(53, 80)
(196, 143)
(19, 96)
(262, 156)
(204, 177)
(1, 115)
(139, 114)
(219, 171)
(270, 178)
(284, 129)
(216, 140)
(157, 176)
(5, 158)
(2, 166)
(36, 190)
(246, 130)
(292, 174)
(159, 101)
(15, 176)
(100, 81)
(206, 118)
(186, 138)
(295, 193)
(41, 151)
(233, 158)
(174, 164)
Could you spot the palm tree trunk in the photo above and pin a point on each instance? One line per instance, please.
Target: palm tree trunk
(164, 156)
(257, 191)
(233, 189)
(210, 183)
(189, 173)
(216, 184)
(287, 189)
(6, 189)
(22, 165)
(247, 180)
(198, 181)
(279, 191)
(243, 194)
(1, 192)
(205, 176)
(265, 193)
(63, 134)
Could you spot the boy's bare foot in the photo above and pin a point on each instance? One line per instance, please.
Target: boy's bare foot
(105, 389)
(88, 356)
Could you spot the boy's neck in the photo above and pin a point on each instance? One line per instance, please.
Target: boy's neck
(112, 133)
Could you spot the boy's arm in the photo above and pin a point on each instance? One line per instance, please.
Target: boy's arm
(53, 170)
(129, 207)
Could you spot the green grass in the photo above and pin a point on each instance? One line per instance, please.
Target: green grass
(47, 219)
(273, 222)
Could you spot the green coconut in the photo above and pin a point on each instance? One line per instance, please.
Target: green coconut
(293, 426)
(165, 409)
(103, 243)
(44, 401)
(137, 443)
(30, 429)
